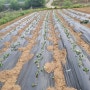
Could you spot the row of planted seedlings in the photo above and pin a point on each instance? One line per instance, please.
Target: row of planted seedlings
(82, 19)
(14, 31)
(77, 67)
(12, 49)
(12, 35)
(80, 13)
(19, 25)
(47, 56)
(40, 55)
(77, 27)
(55, 66)
(14, 24)
(85, 47)
(32, 69)
(9, 77)
(6, 44)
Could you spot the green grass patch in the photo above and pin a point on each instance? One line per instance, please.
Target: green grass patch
(9, 16)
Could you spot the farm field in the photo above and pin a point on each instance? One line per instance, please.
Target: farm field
(46, 50)
(85, 9)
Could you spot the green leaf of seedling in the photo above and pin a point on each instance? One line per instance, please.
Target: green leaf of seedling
(36, 61)
(1, 64)
(33, 84)
(5, 56)
(86, 70)
(80, 64)
(38, 55)
(80, 58)
(53, 77)
(37, 74)
(42, 69)
(74, 46)
(77, 52)
(38, 66)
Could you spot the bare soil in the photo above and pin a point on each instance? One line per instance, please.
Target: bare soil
(85, 9)
(9, 77)
(79, 40)
(59, 57)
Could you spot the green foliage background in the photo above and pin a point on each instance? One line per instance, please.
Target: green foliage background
(24, 4)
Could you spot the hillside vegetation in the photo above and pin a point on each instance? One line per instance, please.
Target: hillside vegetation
(17, 4)
(71, 3)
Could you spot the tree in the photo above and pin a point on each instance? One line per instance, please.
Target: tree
(27, 4)
(34, 3)
(14, 4)
(37, 3)
(2, 5)
(67, 3)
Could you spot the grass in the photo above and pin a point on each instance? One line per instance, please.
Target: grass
(11, 15)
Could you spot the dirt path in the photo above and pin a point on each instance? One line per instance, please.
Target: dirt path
(49, 4)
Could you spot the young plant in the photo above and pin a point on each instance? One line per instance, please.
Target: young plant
(42, 69)
(86, 70)
(37, 74)
(33, 84)
(22, 37)
(84, 22)
(77, 52)
(43, 44)
(74, 46)
(1, 64)
(80, 63)
(6, 56)
(38, 55)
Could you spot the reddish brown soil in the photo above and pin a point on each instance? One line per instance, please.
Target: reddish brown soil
(8, 23)
(9, 77)
(79, 40)
(87, 25)
(59, 57)
(14, 38)
(85, 9)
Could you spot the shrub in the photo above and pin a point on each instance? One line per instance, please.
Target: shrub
(77, 6)
(67, 3)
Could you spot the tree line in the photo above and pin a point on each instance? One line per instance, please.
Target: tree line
(24, 4)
